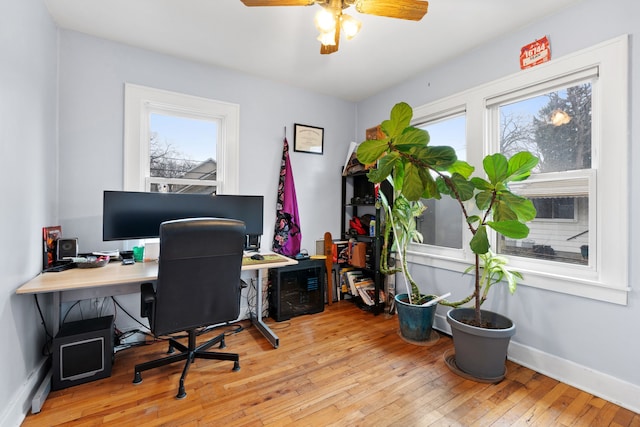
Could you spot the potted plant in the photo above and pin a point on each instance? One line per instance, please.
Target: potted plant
(419, 170)
(415, 312)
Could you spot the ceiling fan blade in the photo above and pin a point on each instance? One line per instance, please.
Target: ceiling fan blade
(278, 2)
(326, 49)
(413, 10)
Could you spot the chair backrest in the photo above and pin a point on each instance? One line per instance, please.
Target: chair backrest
(199, 270)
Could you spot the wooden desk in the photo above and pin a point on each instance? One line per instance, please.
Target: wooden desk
(117, 279)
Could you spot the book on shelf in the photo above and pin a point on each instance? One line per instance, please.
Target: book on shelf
(352, 277)
(367, 291)
(50, 236)
(362, 287)
(344, 281)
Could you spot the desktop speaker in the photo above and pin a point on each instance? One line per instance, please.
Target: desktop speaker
(66, 248)
(82, 352)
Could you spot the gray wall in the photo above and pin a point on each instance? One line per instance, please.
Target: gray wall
(92, 76)
(49, 184)
(28, 167)
(93, 72)
(594, 336)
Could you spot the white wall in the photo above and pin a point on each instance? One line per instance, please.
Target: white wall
(92, 76)
(28, 169)
(590, 344)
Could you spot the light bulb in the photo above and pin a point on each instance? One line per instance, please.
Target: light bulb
(327, 38)
(325, 21)
(350, 26)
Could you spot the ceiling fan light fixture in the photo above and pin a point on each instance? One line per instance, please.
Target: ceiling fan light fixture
(325, 21)
(350, 26)
(327, 38)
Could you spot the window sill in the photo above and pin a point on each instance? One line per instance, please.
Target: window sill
(584, 288)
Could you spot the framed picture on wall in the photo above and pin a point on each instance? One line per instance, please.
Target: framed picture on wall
(308, 139)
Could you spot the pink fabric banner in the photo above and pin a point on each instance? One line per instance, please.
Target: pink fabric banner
(287, 235)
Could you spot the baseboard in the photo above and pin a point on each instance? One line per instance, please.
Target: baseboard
(19, 406)
(599, 384)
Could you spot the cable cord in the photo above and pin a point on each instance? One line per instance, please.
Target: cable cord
(129, 314)
(46, 348)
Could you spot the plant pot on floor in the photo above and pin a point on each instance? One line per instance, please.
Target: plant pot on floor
(416, 321)
(480, 353)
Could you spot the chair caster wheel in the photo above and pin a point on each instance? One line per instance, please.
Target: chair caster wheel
(137, 378)
(236, 366)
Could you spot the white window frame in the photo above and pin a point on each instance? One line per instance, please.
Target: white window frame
(141, 101)
(606, 276)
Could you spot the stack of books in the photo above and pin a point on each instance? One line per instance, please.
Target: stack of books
(360, 285)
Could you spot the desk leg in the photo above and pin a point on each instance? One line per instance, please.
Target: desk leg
(256, 318)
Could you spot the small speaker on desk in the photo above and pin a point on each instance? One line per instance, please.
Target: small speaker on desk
(66, 248)
(82, 352)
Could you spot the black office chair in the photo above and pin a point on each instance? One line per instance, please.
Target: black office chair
(198, 285)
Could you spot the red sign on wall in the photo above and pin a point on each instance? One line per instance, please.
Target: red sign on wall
(535, 53)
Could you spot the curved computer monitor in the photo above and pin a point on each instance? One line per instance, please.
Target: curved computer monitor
(130, 215)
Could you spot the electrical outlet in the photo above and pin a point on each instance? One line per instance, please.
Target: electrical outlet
(132, 338)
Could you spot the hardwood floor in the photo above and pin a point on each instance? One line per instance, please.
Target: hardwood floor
(341, 367)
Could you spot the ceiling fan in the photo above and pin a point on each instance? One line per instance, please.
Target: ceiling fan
(330, 20)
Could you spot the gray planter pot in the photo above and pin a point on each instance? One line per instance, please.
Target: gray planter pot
(416, 322)
(480, 353)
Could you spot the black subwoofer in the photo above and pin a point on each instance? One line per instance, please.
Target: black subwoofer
(82, 352)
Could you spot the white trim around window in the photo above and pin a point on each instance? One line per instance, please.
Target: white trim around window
(140, 101)
(606, 276)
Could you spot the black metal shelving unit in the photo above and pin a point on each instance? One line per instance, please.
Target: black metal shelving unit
(359, 198)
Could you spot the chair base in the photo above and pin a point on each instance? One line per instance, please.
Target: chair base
(188, 353)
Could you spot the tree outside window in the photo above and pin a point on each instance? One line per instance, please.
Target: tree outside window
(556, 127)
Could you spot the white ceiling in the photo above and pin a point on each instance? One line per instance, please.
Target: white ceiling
(279, 43)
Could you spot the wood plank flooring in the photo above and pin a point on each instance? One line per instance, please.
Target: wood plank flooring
(341, 367)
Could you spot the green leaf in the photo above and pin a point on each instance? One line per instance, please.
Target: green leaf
(431, 190)
(483, 199)
(412, 187)
(376, 175)
(370, 151)
(520, 166)
(411, 137)
(465, 188)
(438, 156)
(503, 212)
(461, 167)
(480, 242)
(512, 229)
(443, 188)
(473, 219)
(496, 167)
(481, 184)
(521, 206)
(400, 118)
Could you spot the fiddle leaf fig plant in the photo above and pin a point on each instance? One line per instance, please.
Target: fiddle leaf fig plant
(418, 170)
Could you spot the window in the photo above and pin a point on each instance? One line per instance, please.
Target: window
(553, 120)
(556, 209)
(441, 222)
(572, 112)
(156, 160)
(182, 149)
